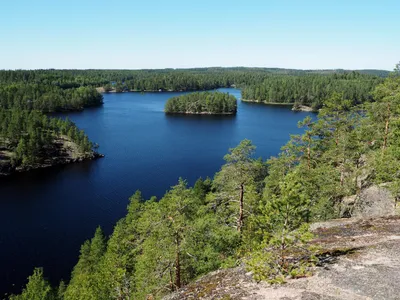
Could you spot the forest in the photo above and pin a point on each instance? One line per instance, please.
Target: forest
(63, 90)
(47, 98)
(252, 211)
(312, 90)
(202, 103)
(163, 79)
(66, 90)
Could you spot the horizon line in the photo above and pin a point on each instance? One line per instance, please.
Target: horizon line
(192, 68)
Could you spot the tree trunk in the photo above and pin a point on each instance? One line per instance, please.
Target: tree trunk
(386, 128)
(240, 219)
(283, 239)
(341, 176)
(177, 264)
(171, 281)
(309, 153)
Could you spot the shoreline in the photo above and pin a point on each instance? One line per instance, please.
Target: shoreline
(62, 151)
(102, 91)
(305, 108)
(299, 108)
(201, 113)
(56, 161)
(267, 103)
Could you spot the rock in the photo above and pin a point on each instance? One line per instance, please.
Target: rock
(347, 206)
(5, 168)
(302, 108)
(364, 264)
(363, 178)
(374, 201)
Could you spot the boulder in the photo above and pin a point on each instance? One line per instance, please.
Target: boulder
(302, 108)
(374, 201)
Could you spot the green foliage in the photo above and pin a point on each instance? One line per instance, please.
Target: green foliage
(37, 288)
(85, 281)
(312, 89)
(237, 185)
(287, 254)
(164, 80)
(205, 102)
(61, 290)
(47, 97)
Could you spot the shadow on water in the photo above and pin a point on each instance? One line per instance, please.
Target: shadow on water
(39, 175)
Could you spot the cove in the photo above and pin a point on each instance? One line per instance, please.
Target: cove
(45, 215)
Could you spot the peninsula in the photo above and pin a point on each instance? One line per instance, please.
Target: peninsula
(31, 140)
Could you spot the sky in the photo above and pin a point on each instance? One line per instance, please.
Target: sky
(132, 34)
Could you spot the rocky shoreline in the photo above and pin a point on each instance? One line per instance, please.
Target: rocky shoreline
(6, 169)
(303, 108)
(201, 113)
(295, 107)
(267, 103)
(62, 152)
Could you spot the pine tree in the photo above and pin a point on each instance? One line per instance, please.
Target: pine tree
(37, 288)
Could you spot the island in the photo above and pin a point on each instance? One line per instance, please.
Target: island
(204, 103)
(31, 140)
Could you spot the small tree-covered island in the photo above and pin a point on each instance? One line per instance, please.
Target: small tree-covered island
(206, 103)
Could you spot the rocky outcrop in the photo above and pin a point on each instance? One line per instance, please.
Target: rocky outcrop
(373, 201)
(302, 108)
(360, 260)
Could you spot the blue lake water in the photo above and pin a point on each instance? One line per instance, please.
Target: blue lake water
(45, 215)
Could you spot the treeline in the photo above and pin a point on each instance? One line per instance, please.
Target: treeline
(312, 90)
(155, 80)
(29, 136)
(140, 80)
(60, 90)
(47, 98)
(202, 102)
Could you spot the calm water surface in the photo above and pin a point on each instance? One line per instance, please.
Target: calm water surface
(45, 215)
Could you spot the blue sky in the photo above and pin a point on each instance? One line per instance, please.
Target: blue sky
(131, 34)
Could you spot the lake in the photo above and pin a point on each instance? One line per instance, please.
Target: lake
(45, 215)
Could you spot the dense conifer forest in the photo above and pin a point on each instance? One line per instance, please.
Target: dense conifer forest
(312, 90)
(61, 90)
(202, 103)
(29, 138)
(252, 211)
(47, 98)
